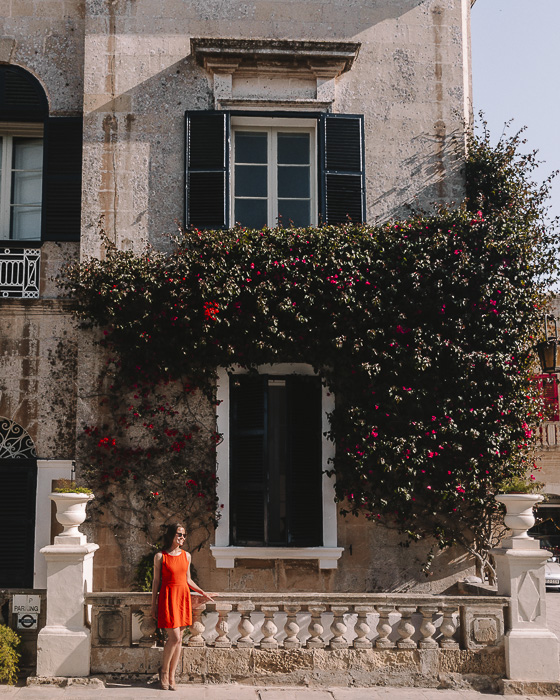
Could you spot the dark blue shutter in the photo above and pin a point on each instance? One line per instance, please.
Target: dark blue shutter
(21, 96)
(62, 179)
(342, 175)
(207, 170)
(305, 473)
(247, 459)
(18, 485)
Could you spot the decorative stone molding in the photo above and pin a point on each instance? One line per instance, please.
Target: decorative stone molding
(274, 72)
(327, 556)
(64, 644)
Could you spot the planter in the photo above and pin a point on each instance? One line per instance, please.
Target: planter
(519, 512)
(71, 511)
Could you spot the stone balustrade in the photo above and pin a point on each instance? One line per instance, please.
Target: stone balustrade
(547, 435)
(311, 621)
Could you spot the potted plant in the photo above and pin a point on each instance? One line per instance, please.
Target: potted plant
(71, 502)
(519, 496)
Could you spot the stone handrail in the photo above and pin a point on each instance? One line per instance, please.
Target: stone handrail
(547, 435)
(311, 621)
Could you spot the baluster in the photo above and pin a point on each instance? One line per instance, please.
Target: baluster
(269, 629)
(291, 628)
(406, 628)
(197, 628)
(338, 628)
(361, 627)
(245, 626)
(148, 628)
(427, 628)
(384, 628)
(222, 626)
(448, 628)
(315, 627)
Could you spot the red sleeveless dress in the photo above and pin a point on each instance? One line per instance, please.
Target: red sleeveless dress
(174, 601)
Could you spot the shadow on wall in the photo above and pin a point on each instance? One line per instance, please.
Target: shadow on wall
(438, 163)
(368, 13)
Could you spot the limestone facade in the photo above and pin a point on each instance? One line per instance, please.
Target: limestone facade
(130, 69)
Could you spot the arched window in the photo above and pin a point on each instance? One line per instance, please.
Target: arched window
(40, 163)
(18, 487)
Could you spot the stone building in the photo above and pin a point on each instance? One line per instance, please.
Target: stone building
(131, 114)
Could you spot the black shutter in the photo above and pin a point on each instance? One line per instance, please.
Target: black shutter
(18, 483)
(305, 474)
(207, 170)
(342, 175)
(247, 459)
(62, 179)
(21, 96)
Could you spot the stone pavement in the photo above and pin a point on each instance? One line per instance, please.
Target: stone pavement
(238, 692)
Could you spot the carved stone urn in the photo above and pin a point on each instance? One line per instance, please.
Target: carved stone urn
(71, 511)
(519, 512)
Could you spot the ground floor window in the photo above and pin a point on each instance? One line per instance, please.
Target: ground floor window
(276, 499)
(275, 460)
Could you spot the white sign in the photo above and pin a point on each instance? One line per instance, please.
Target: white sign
(27, 621)
(26, 604)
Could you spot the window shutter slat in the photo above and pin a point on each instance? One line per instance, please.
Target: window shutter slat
(247, 460)
(17, 522)
(21, 95)
(342, 168)
(305, 499)
(62, 179)
(207, 170)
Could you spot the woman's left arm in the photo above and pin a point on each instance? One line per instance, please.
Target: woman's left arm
(192, 585)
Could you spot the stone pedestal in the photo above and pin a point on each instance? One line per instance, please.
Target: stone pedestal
(64, 644)
(531, 648)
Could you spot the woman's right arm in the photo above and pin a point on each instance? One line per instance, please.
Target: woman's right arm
(156, 582)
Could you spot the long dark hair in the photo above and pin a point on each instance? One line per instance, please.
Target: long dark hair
(169, 534)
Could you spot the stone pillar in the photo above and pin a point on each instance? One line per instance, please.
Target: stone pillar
(64, 644)
(531, 648)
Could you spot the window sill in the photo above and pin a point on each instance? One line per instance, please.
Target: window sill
(26, 243)
(225, 556)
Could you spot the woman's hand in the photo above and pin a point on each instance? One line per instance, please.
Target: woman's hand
(154, 612)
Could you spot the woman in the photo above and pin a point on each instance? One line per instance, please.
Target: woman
(171, 598)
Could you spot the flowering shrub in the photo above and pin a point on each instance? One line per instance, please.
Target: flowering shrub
(422, 328)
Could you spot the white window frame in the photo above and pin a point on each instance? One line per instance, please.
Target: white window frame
(224, 553)
(9, 131)
(272, 125)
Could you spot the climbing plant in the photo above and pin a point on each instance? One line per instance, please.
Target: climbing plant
(422, 328)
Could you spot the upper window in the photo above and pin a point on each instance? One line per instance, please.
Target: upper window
(40, 163)
(274, 173)
(288, 169)
(21, 180)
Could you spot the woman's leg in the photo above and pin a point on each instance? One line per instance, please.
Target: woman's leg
(171, 649)
(176, 654)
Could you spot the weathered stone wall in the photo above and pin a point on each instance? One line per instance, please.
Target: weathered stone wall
(38, 341)
(459, 668)
(411, 80)
(127, 65)
(46, 37)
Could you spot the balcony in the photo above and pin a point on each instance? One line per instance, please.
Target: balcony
(19, 273)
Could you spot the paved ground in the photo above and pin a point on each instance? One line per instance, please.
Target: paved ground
(238, 692)
(135, 691)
